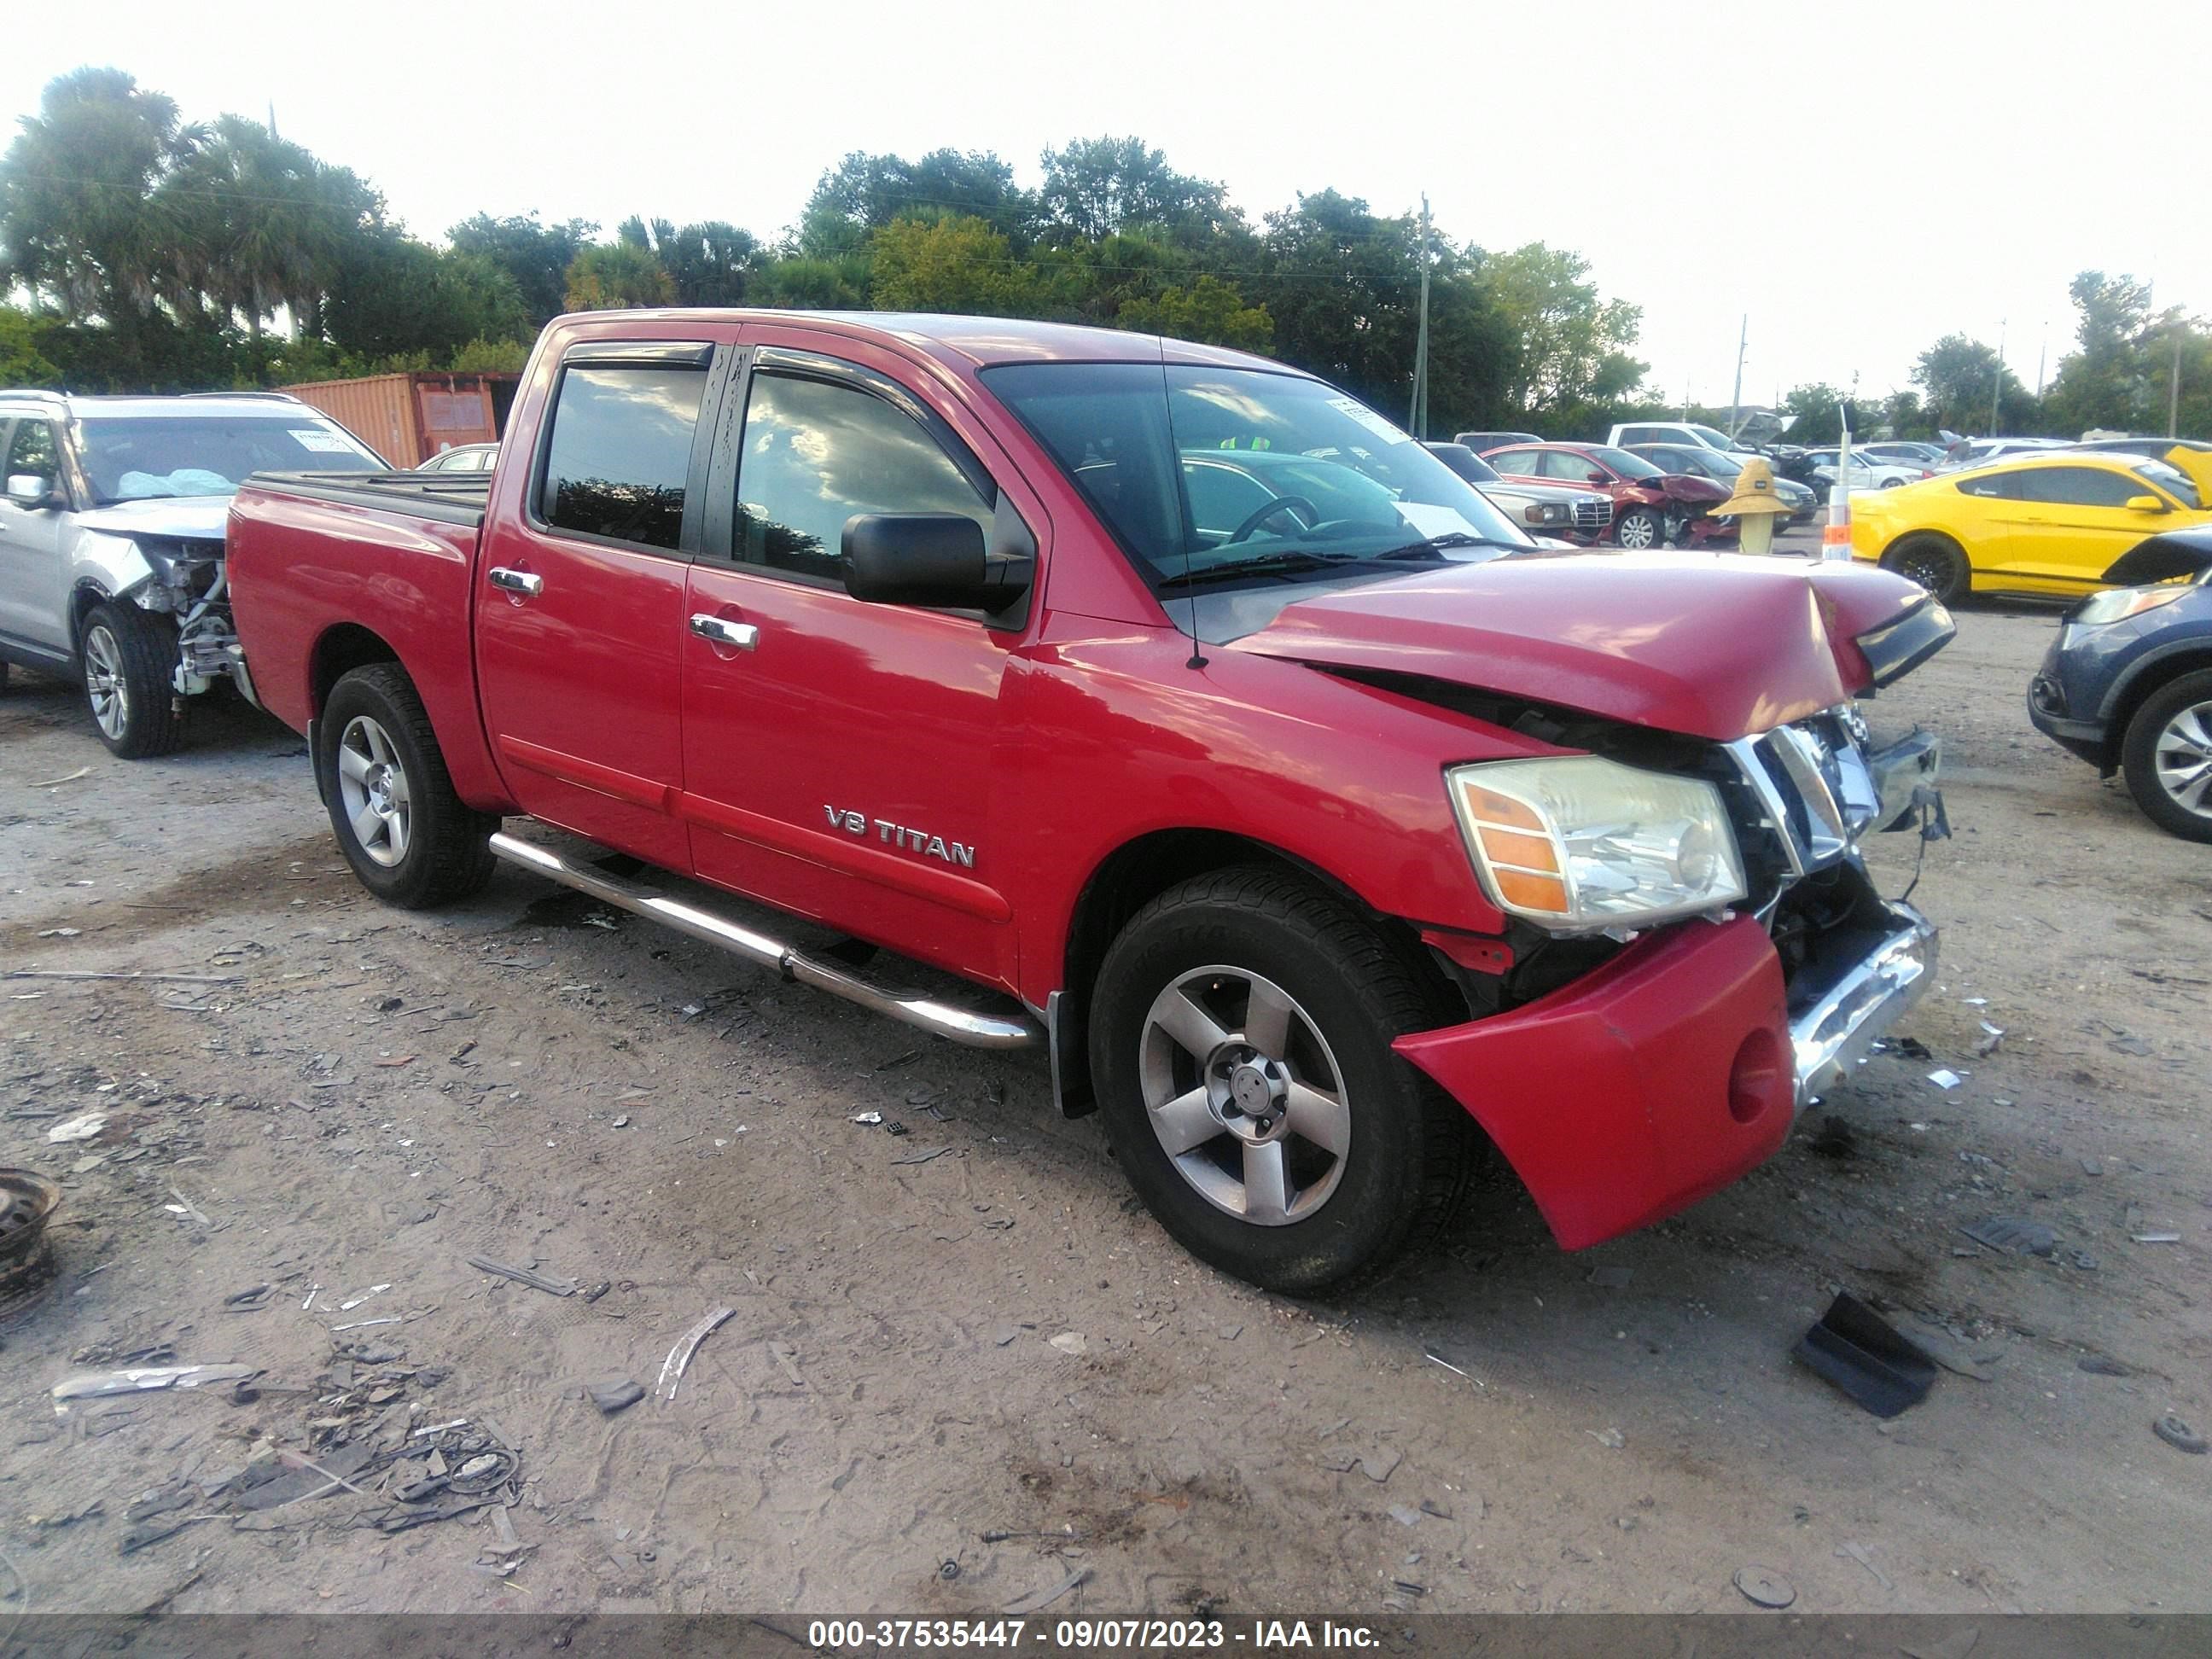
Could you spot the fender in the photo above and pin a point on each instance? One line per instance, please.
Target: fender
(115, 566)
(2116, 694)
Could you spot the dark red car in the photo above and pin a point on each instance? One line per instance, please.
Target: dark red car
(1649, 507)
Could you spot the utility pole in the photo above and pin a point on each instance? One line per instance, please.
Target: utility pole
(1419, 420)
(2174, 386)
(1735, 396)
(1996, 379)
(2041, 352)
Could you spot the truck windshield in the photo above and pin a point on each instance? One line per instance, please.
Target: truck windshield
(1206, 473)
(137, 457)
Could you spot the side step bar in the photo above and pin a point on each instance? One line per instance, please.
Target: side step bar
(961, 1025)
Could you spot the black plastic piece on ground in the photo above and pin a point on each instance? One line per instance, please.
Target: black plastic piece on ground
(1859, 1352)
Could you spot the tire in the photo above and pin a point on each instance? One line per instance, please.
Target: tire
(409, 837)
(1639, 528)
(2167, 757)
(1934, 561)
(130, 659)
(1395, 1158)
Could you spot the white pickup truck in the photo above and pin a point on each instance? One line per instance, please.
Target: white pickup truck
(111, 542)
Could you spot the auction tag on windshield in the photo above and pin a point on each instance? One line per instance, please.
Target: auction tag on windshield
(1432, 521)
(1368, 418)
(326, 443)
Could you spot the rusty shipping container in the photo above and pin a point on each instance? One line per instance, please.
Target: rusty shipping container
(407, 418)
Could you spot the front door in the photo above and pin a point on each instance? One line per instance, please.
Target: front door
(2071, 523)
(33, 574)
(581, 638)
(838, 755)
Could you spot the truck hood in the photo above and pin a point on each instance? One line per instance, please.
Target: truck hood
(179, 517)
(1717, 647)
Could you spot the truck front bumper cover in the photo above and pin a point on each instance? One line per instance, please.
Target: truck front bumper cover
(1675, 1068)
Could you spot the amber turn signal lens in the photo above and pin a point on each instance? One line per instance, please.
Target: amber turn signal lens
(1531, 892)
(1523, 852)
(1491, 807)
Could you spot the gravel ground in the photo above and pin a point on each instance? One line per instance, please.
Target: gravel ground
(962, 1366)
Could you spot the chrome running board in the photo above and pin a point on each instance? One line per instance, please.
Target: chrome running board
(961, 1025)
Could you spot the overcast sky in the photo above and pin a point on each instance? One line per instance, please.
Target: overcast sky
(1695, 153)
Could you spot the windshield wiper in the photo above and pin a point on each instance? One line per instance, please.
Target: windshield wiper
(1450, 538)
(1266, 564)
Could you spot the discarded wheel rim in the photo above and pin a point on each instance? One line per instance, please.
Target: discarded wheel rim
(1765, 1587)
(27, 1261)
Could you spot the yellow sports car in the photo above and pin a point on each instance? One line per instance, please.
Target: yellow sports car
(2049, 521)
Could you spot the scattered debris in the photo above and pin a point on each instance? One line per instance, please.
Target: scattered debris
(1036, 1601)
(1944, 1077)
(153, 1531)
(1854, 1348)
(252, 1300)
(1611, 1438)
(2128, 1043)
(1069, 1342)
(1991, 1039)
(537, 1281)
(612, 1393)
(2014, 1235)
(77, 1128)
(1857, 1552)
(184, 1206)
(1968, 1359)
(1230, 1333)
(679, 1356)
(353, 1301)
(61, 933)
(1405, 1515)
(2156, 1238)
(1378, 1465)
(1765, 1587)
(1914, 1049)
(2098, 1365)
(786, 1361)
(26, 1260)
(922, 1157)
(49, 783)
(872, 1119)
(1615, 1277)
(73, 973)
(143, 1379)
(1005, 1334)
(2178, 1434)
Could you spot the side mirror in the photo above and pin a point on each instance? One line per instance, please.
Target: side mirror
(929, 559)
(2135, 503)
(1595, 476)
(30, 491)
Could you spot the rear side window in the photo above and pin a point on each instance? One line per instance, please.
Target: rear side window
(1995, 486)
(620, 451)
(817, 452)
(2078, 486)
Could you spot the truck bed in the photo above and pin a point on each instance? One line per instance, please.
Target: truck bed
(448, 497)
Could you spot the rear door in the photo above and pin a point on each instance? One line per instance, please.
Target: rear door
(580, 617)
(33, 578)
(839, 756)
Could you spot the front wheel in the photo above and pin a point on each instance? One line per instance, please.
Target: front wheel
(1639, 528)
(130, 657)
(410, 840)
(1934, 561)
(2166, 757)
(1241, 1039)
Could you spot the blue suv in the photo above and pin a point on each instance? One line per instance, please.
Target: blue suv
(2128, 684)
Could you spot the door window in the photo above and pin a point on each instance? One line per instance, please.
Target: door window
(1567, 466)
(32, 451)
(1522, 462)
(621, 450)
(816, 453)
(1995, 486)
(2079, 486)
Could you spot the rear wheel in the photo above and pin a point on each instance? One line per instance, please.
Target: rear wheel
(410, 840)
(1639, 527)
(129, 656)
(1934, 561)
(1241, 1037)
(2166, 757)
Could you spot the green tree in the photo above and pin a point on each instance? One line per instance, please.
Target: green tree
(395, 297)
(617, 277)
(1819, 408)
(1573, 343)
(77, 226)
(958, 264)
(535, 256)
(708, 264)
(1208, 310)
(1960, 377)
(1094, 187)
(21, 362)
(803, 283)
(863, 193)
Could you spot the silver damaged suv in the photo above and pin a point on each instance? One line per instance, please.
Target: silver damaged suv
(110, 542)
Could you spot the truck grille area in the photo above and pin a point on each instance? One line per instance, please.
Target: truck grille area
(1593, 516)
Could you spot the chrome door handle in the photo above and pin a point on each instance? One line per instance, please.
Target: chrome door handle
(744, 635)
(527, 583)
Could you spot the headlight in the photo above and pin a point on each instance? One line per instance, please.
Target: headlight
(1583, 843)
(1545, 513)
(2118, 604)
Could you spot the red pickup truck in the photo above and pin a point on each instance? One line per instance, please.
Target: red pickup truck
(1329, 833)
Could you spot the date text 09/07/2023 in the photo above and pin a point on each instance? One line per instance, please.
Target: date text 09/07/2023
(1087, 1635)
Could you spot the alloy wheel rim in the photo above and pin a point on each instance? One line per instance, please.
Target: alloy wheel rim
(104, 683)
(1635, 531)
(2183, 759)
(1244, 1094)
(374, 790)
(1931, 570)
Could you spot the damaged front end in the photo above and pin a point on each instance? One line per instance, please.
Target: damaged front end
(174, 570)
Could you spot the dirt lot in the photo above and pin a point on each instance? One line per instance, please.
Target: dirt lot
(884, 1423)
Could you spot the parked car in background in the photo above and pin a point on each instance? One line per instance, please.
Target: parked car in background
(1650, 507)
(2191, 456)
(111, 567)
(1699, 462)
(2051, 523)
(1694, 433)
(2127, 685)
(1906, 451)
(1570, 512)
(1973, 451)
(1867, 472)
(1409, 844)
(462, 458)
(1483, 442)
